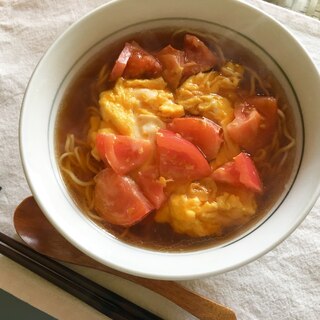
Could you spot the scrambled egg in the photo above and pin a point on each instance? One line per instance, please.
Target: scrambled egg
(200, 209)
(130, 98)
(200, 94)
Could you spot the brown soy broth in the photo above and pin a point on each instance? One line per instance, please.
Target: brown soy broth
(73, 118)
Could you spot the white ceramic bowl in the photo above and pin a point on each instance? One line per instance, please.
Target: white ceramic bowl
(252, 28)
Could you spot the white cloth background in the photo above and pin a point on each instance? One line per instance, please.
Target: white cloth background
(283, 284)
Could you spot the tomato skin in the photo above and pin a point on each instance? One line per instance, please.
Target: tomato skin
(197, 52)
(266, 106)
(178, 65)
(227, 173)
(118, 200)
(121, 62)
(147, 179)
(141, 64)
(123, 153)
(178, 158)
(248, 174)
(240, 171)
(172, 61)
(255, 123)
(202, 132)
(135, 62)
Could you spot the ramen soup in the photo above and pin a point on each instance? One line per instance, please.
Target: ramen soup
(175, 140)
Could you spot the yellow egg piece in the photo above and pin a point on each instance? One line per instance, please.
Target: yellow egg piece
(199, 209)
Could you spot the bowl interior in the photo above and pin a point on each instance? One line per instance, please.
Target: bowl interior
(194, 26)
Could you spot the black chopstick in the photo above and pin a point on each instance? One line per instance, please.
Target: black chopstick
(67, 273)
(103, 300)
(61, 282)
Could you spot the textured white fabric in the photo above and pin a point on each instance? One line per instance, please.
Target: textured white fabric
(283, 284)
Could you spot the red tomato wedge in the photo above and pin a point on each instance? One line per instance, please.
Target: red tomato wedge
(202, 132)
(254, 123)
(123, 153)
(147, 179)
(179, 159)
(191, 68)
(228, 173)
(118, 199)
(172, 61)
(141, 64)
(248, 173)
(199, 53)
(177, 65)
(121, 62)
(240, 171)
(134, 62)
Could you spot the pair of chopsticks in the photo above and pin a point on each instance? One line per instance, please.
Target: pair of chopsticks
(98, 297)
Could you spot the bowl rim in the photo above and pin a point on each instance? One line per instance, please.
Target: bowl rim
(160, 274)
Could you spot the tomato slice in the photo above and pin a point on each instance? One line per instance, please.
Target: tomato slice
(179, 159)
(121, 62)
(255, 123)
(147, 179)
(123, 153)
(228, 173)
(248, 174)
(202, 132)
(266, 106)
(177, 65)
(172, 61)
(134, 62)
(199, 53)
(141, 64)
(240, 171)
(118, 200)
